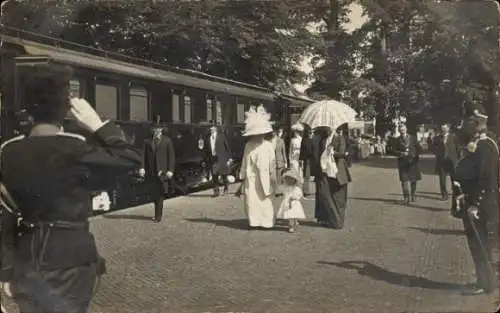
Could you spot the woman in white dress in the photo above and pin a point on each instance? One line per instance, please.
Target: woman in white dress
(258, 170)
(295, 143)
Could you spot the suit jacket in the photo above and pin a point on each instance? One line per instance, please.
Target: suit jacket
(340, 148)
(446, 151)
(222, 153)
(408, 164)
(159, 157)
(280, 152)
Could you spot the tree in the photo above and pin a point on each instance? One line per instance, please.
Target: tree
(259, 42)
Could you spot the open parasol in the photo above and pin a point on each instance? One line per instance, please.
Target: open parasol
(329, 113)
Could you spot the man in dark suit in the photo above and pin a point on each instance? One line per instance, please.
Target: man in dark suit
(408, 149)
(158, 168)
(447, 151)
(219, 157)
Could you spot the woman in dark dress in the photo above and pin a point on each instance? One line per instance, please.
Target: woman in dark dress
(331, 193)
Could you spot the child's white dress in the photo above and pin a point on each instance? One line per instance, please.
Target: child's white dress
(295, 211)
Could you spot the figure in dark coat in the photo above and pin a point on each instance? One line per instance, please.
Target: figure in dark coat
(50, 175)
(482, 191)
(158, 168)
(305, 157)
(331, 193)
(447, 151)
(219, 157)
(408, 150)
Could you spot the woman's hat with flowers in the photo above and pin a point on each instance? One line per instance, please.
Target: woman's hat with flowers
(257, 122)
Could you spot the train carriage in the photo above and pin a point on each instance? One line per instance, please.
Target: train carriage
(136, 93)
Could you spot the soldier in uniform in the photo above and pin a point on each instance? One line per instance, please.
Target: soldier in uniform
(481, 187)
(49, 174)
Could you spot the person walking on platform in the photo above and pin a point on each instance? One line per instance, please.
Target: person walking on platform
(294, 151)
(48, 175)
(481, 216)
(258, 170)
(305, 157)
(158, 168)
(218, 156)
(408, 150)
(447, 150)
(331, 188)
(280, 157)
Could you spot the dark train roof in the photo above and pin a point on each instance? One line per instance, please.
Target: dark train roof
(83, 56)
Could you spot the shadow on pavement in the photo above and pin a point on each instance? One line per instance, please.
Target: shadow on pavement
(439, 231)
(400, 202)
(377, 273)
(127, 217)
(425, 195)
(240, 224)
(427, 165)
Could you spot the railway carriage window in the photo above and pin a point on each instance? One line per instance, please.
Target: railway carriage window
(187, 109)
(218, 112)
(176, 114)
(209, 110)
(106, 101)
(240, 113)
(139, 104)
(74, 88)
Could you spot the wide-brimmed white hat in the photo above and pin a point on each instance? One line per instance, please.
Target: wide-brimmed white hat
(294, 174)
(298, 127)
(257, 122)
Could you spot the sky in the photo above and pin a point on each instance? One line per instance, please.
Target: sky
(356, 21)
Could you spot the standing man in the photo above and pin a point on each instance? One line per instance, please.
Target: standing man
(408, 150)
(218, 155)
(482, 221)
(447, 151)
(280, 155)
(158, 167)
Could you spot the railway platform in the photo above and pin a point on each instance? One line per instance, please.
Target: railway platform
(201, 257)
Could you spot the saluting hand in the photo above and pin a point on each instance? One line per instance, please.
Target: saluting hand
(85, 115)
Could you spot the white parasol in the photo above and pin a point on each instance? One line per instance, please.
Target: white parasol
(329, 113)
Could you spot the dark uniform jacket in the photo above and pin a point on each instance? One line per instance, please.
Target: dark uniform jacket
(223, 153)
(159, 156)
(484, 193)
(50, 177)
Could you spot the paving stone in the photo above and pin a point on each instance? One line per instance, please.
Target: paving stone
(201, 258)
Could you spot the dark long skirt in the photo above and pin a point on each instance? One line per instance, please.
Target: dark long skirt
(331, 201)
(56, 291)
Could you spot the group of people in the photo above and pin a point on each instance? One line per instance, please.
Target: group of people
(471, 159)
(262, 172)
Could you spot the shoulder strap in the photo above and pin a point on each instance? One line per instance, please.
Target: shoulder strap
(72, 135)
(6, 200)
(11, 140)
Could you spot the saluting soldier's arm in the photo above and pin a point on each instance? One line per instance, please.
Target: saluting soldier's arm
(113, 157)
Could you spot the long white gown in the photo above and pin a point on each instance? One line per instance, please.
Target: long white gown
(256, 173)
(294, 154)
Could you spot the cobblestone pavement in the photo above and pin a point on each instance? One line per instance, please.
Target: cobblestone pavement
(201, 258)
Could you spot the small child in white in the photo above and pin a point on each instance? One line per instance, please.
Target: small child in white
(291, 208)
